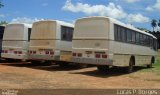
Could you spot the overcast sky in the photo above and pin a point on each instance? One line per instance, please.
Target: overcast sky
(136, 12)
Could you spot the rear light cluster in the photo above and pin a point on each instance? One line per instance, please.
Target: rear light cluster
(96, 55)
(46, 52)
(101, 56)
(4, 51)
(77, 54)
(32, 52)
(15, 52)
(49, 52)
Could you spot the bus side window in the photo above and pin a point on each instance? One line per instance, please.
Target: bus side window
(116, 32)
(141, 39)
(133, 37)
(119, 34)
(151, 42)
(147, 41)
(137, 38)
(1, 32)
(144, 39)
(66, 33)
(123, 35)
(155, 47)
(29, 33)
(129, 36)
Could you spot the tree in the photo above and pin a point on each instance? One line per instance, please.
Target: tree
(143, 29)
(1, 5)
(159, 23)
(3, 23)
(154, 23)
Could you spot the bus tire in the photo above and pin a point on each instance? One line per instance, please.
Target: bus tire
(103, 68)
(130, 68)
(151, 63)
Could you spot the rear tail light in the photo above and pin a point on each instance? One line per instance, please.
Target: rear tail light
(104, 56)
(74, 54)
(6, 51)
(98, 55)
(30, 52)
(19, 52)
(52, 53)
(79, 54)
(15, 52)
(47, 52)
(2, 51)
(34, 52)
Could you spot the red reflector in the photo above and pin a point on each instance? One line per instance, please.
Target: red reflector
(74, 54)
(34, 52)
(6, 51)
(30, 52)
(104, 56)
(19, 52)
(79, 54)
(98, 55)
(15, 52)
(47, 52)
(52, 53)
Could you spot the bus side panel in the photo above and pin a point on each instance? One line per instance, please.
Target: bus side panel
(123, 52)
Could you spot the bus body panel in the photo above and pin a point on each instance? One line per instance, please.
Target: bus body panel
(15, 41)
(110, 52)
(43, 40)
(91, 40)
(49, 47)
(122, 54)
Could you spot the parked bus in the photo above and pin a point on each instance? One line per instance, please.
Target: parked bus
(15, 42)
(105, 42)
(51, 40)
(1, 37)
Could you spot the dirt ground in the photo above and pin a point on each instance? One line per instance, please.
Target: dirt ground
(28, 76)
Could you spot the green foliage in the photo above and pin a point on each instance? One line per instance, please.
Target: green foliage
(159, 23)
(1, 5)
(154, 23)
(3, 22)
(155, 69)
(143, 29)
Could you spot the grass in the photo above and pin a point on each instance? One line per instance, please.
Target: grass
(155, 68)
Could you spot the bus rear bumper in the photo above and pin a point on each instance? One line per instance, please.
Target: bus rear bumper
(16, 57)
(44, 57)
(93, 61)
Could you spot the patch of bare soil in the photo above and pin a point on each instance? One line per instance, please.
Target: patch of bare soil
(29, 76)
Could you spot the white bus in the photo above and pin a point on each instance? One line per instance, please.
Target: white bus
(51, 40)
(105, 42)
(15, 42)
(1, 37)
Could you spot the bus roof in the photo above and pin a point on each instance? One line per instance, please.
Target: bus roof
(119, 23)
(57, 21)
(25, 24)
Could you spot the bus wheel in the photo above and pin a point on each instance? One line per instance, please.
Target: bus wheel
(103, 68)
(151, 63)
(131, 66)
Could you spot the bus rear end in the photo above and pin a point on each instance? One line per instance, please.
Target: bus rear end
(15, 42)
(91, 41)
(43, 41)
